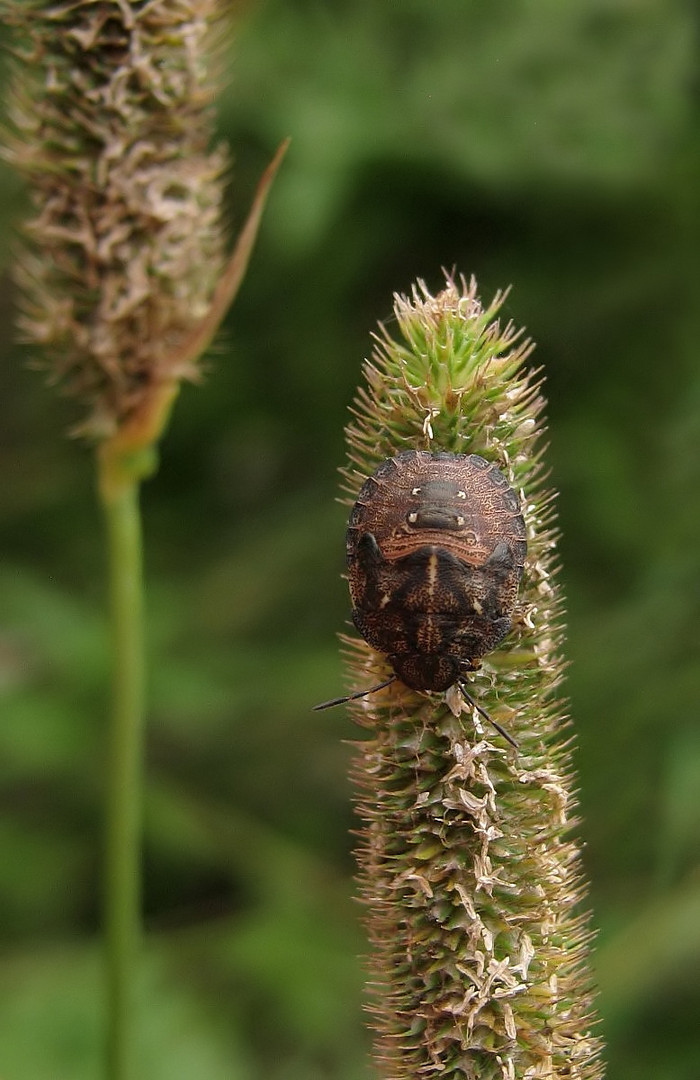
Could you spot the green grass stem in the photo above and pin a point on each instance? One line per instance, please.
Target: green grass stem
(122, 912)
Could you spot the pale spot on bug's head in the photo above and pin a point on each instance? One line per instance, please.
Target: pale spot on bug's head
(386, 599)
(412, 518)
(461, 494)
(415, 491)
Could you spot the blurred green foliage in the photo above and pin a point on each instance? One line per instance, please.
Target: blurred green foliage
(554, 146)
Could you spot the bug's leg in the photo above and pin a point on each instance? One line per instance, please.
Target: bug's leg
(467, 697)
(353, 697)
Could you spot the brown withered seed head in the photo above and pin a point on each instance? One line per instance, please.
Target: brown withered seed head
(111, 108)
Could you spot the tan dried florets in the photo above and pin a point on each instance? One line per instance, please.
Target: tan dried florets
(111, 110)
(468, 871)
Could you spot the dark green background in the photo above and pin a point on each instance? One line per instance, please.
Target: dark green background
(551, 144)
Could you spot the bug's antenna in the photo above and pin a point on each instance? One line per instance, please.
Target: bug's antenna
(467, 696)
(352, 697)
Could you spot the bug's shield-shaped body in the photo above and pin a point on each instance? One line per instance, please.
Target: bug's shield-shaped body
(436, 546)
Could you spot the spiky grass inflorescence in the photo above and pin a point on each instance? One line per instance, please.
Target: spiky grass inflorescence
(468, 871)
(112, 113)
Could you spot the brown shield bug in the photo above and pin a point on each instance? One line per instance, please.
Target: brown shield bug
(436, 545)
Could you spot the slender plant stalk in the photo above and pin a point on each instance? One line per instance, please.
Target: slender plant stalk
(124, 282)
(122, 902)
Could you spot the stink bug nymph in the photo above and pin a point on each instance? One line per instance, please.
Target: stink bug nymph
(436, 545)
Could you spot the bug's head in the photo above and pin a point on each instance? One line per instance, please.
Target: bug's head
(427, 671)
(436, 504)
